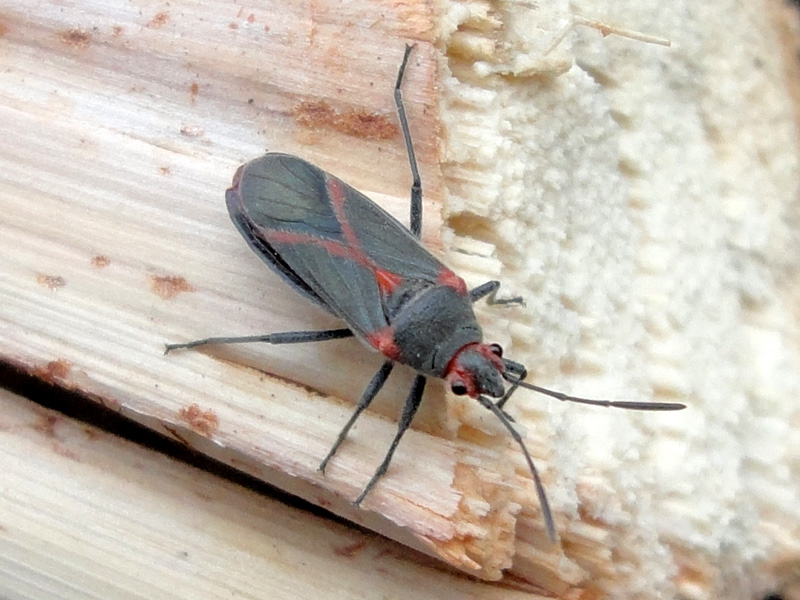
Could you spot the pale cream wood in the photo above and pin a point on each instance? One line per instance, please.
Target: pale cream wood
(642, 199)
(85, 514)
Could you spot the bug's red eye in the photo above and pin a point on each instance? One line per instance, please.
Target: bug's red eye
(458, 388)
(497, 350)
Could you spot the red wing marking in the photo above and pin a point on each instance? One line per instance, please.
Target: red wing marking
(388, 282)
(338, 199)
(350, 248)
(450, 279)
(331, 246)
(383, 341)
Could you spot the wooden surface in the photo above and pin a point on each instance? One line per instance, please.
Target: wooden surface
(128, 126)
(642, 200)
(87, 515)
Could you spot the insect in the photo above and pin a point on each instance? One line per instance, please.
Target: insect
(339, 249)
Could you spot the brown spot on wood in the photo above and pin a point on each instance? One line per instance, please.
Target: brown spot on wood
(192, 131)
(117, 30)
(57, 370)
(100, 261)
(266, 28)
(203, 495)
(604, 30)
(317, 114)
(51, 281)
(169, 286)
(3, 30)
(202, 421)
(54, 370)
(158, 21)
(77, 38)
(165, 171)
(251, 18)
(350, 550)
(110, 403)
(193, 90)
(233, 26)
(62, 450)
(174, 433)
(46, 424)
(3, 529)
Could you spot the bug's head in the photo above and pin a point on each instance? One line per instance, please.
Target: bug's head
(476, 369)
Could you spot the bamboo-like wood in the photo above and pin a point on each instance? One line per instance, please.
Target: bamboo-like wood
(85, 514)
(128, 126)
(648, 241)
(639, 198)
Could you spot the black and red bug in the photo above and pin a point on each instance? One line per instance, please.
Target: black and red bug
(341, 250)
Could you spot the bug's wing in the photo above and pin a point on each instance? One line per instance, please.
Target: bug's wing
(327, 239)
(263, 249)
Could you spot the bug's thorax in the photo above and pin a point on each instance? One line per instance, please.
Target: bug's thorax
(476, 369)
(427, 324)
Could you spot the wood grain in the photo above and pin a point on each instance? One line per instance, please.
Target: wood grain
(641, 199)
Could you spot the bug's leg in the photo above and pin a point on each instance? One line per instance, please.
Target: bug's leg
(286, 337)
(366, 398)
(486, 289)
(547, 514)
(515, 373)
(416, 185)
(490, 289)
(410, 408)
